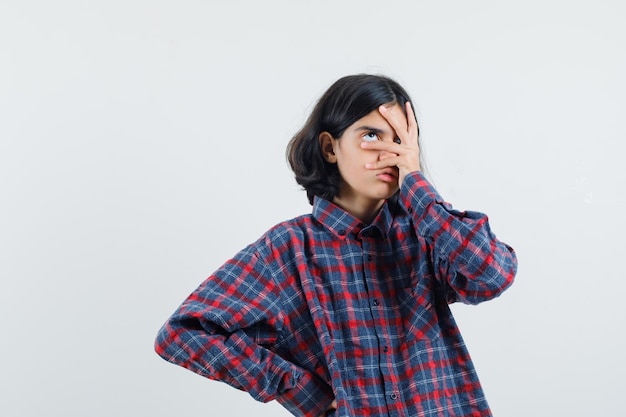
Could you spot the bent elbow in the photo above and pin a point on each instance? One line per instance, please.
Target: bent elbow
(165, 342)
(500, 275)
(494, 277)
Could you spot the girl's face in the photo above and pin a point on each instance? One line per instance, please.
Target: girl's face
(362, 191)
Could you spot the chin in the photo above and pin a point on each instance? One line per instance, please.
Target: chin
(387, 194)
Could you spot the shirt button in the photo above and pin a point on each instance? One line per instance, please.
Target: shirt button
(342, 232)
(375, 302)
(394, 396)
(385, 349)
(370, 257)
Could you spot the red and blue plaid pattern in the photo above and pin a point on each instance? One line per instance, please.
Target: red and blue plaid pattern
(324, 307)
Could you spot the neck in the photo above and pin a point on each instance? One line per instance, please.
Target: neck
(364, 210)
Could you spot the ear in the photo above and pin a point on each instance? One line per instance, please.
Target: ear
(327, 145)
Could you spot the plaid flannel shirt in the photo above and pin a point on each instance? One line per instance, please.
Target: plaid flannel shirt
(324, 307)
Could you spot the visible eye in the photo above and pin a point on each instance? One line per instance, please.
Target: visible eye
(370, 137)
(397, 140)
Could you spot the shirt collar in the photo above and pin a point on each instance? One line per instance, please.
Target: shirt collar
(341, 223)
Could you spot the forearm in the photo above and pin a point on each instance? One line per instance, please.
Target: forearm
(469, 259)
(236, 359)
(227, 330)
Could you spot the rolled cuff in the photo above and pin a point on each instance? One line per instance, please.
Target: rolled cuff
(309, 398)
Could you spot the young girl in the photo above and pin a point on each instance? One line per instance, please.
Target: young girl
(344, 311)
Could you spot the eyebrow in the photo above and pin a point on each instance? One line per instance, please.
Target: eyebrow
(372, 129)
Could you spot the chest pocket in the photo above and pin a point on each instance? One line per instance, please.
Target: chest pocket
(419, 315)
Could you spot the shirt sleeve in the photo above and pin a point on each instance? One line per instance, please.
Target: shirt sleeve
(468, 259)
(226, 330)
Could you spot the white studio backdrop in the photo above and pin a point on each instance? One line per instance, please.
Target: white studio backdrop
(142, 145)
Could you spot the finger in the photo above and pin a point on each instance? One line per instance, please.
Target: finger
(396, 118)
(331, 407)
(379, 145)
(383, 163)
(410, 116)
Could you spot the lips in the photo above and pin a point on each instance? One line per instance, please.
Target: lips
(389, 171)
(388, 175)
